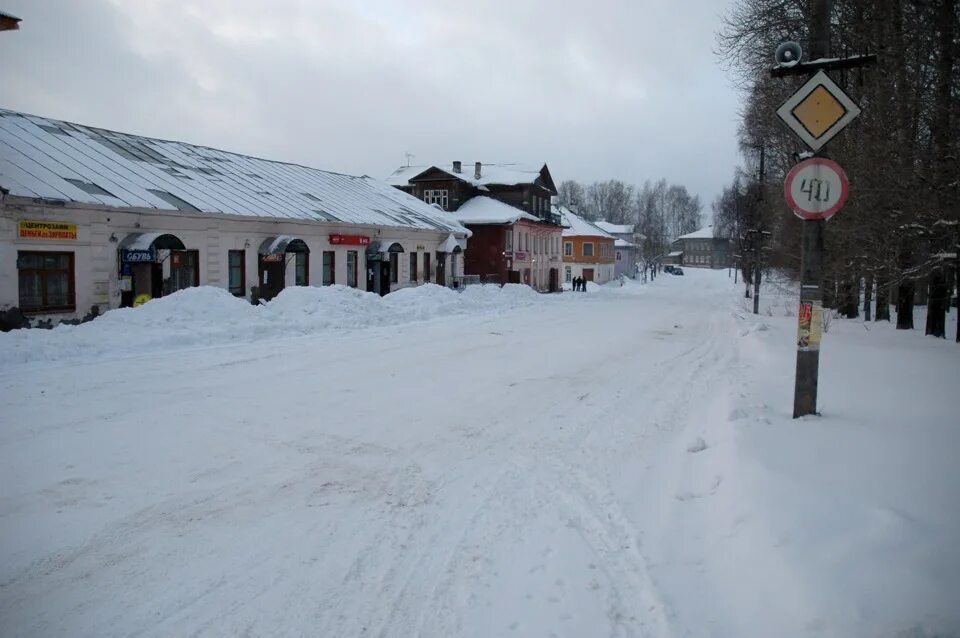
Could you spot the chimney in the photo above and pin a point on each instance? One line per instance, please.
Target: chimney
(456, 167)
(476, 170)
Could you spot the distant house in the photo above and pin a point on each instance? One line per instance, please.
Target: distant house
(700, 249)
(626, 247)
(516, 235)
(588, 250)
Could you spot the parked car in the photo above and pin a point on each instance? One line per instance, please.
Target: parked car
(669, 268)
(677, 270)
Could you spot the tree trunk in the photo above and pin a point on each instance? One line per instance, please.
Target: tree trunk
(867, 297)
(883, 301)
(850, 299)
(905, 305)
(937, 304)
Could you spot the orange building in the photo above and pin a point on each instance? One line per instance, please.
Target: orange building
(588, 251)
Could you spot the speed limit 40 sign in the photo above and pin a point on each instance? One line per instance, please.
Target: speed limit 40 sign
(816, 188)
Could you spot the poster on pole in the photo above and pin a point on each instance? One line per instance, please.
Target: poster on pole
(810, 326)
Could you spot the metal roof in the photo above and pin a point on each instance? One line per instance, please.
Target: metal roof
(55, 160)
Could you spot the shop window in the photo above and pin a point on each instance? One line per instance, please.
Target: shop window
(237, 272)
(46, 281)
(184, 270)
(588, 249)
(568, 248)
(426, 267)
(301, 273)
(352, 268)
(508, 241)
(394, 268)
(329, 268)
(413, 267)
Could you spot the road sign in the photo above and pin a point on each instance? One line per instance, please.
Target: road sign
(816, 188)
(818, 111)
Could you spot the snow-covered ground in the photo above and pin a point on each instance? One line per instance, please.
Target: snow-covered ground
(618, 462)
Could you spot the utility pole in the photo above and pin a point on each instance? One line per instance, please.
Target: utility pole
(811, 260)
(758, 236)
(817, 187)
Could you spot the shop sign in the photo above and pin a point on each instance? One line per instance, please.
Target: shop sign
(138, 256)
(349, 240)
(521, 256)
(272, 258)
(47, 230)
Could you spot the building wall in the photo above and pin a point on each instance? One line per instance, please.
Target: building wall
(485, 256)
(704, 253)
(626, 262)
(602, 273)
(99, 231)
(536, 250)
(603, 259)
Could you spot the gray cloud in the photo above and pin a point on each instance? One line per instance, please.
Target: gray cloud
(602, 89)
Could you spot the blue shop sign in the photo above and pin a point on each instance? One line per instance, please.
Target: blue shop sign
(138, 256)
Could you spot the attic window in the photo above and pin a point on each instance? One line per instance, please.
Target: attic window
(89, 187)
(173, 200)
(56, 130)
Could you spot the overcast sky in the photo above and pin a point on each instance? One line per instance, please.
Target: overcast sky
(598, 89)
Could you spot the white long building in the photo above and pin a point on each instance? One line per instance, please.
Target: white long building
(92, 219)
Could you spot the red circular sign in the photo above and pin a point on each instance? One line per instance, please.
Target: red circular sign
(816, 188)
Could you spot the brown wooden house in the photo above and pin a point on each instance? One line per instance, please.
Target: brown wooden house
(516, 234)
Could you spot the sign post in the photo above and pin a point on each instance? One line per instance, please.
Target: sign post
(816, 188)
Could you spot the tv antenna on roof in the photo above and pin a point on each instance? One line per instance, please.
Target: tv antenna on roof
(410, 156)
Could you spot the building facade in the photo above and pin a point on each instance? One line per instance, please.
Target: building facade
(515, 235)
(626, 247)
(92, 220)
(588, 251)
(700, 249)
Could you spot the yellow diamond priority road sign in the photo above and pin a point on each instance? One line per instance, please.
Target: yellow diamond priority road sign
(818, 111)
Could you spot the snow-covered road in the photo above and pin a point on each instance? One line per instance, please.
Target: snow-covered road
(516, 473)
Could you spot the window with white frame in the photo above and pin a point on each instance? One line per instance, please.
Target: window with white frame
(588, 249)
(568, 248)
(437, 196)
(508, 241)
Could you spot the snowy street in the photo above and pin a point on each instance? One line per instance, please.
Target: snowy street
(620, 462)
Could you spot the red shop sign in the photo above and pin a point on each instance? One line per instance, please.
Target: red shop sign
(350, 240)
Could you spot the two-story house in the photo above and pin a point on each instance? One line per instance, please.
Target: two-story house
(588, 250)
(516, 235)
(700, 249)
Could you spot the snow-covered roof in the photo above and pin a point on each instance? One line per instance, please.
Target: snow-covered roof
(623, 243)
(704, 233)
(615, 229)
(490, 174)
(576, 226)
(50, 159)
(675, 253)
(486, 210)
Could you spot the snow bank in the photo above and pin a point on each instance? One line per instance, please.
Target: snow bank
(212, 316)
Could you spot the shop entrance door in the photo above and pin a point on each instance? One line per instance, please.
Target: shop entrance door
(441, 269)
(554, 280)
(271, 272)
(588, 274)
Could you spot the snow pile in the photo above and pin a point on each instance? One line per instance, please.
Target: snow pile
(207, 315)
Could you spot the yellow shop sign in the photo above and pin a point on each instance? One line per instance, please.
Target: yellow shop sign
(47, 230)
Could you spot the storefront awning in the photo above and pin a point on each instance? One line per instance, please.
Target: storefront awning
(283, 244)
(385, 246)
(451, 245)
(146, 241)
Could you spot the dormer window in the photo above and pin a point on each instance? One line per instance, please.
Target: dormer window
(437, 196)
